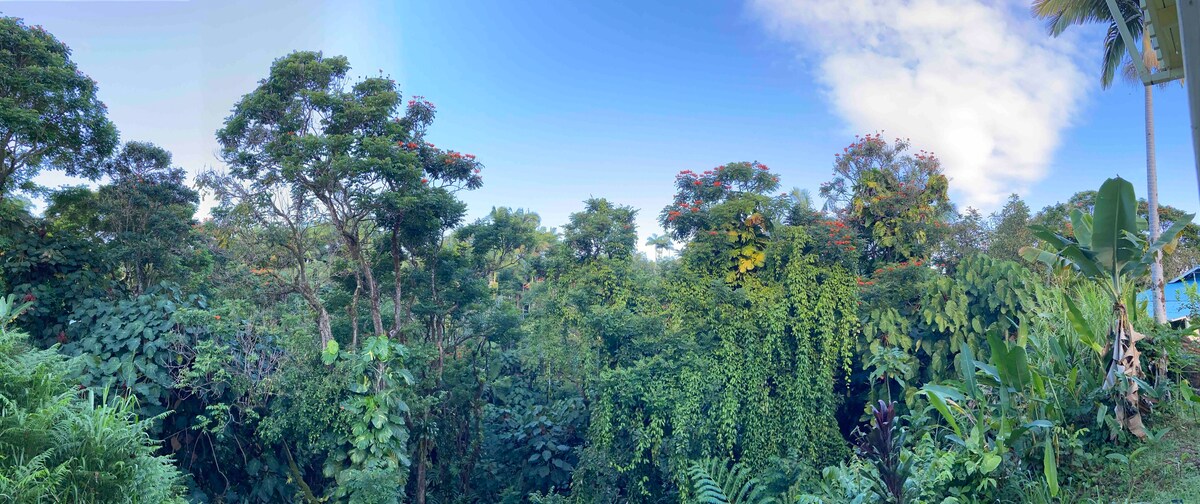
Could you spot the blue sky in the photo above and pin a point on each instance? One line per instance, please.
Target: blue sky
(566, 100)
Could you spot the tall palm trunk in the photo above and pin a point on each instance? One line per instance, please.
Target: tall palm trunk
(1156, 270)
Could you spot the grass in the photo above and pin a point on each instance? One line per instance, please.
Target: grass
(1167, 471)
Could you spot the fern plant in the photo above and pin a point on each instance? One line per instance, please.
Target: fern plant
(717, 481)
(56, 446)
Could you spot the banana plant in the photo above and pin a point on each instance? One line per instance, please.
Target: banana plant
(1109, 247)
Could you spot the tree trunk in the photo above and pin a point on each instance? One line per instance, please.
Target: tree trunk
(354, 310)
(1126, 363)
(324, 328)
(348, 229)
(422, 463)
(398, 292)
(1156, 270)
(364, 267)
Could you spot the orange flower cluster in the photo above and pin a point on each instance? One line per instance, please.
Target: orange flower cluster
(421, 101)
(843, 240)
(869, 140)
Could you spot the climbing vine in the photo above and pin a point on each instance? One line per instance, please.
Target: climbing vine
(759, 379)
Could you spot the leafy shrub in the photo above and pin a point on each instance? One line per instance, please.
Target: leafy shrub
(127, 346)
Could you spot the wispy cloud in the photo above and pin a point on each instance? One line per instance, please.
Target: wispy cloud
(978, 83)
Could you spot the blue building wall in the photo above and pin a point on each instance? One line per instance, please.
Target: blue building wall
(1175, 296)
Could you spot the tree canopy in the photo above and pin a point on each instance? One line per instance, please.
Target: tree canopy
(50, 116)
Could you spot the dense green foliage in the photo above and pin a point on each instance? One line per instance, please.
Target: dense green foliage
(333, 331)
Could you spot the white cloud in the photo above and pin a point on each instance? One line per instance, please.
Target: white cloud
(979, 83)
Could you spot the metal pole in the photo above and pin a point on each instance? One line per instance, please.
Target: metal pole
(1189, 34)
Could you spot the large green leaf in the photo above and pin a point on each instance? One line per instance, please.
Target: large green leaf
(1050, 467)
(937, 397)
(967, 368)
(1084, 260)
(1053, 239)
(1081, 223)
(1034, 254)
(1115, 215)
(1168, 236)
(1086, 335)
(329, 353)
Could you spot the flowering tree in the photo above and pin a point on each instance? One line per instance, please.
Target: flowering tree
(347, 147)
(895, 199)
(728, 208)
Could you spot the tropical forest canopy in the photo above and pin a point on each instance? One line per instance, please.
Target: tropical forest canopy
(336, 330)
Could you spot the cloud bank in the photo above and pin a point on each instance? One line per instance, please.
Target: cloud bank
(978, 83)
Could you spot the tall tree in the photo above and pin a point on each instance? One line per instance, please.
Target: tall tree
(144, 216)
(602, 229)
(303, 126)
(1010, 230)
(1062, 14)
(499, 240)
(348, 147)
(50, 117)
(661, 243)
(968, 236)
(277, 234)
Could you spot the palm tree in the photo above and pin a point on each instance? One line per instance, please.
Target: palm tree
(660, 243)
(1062, 14)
